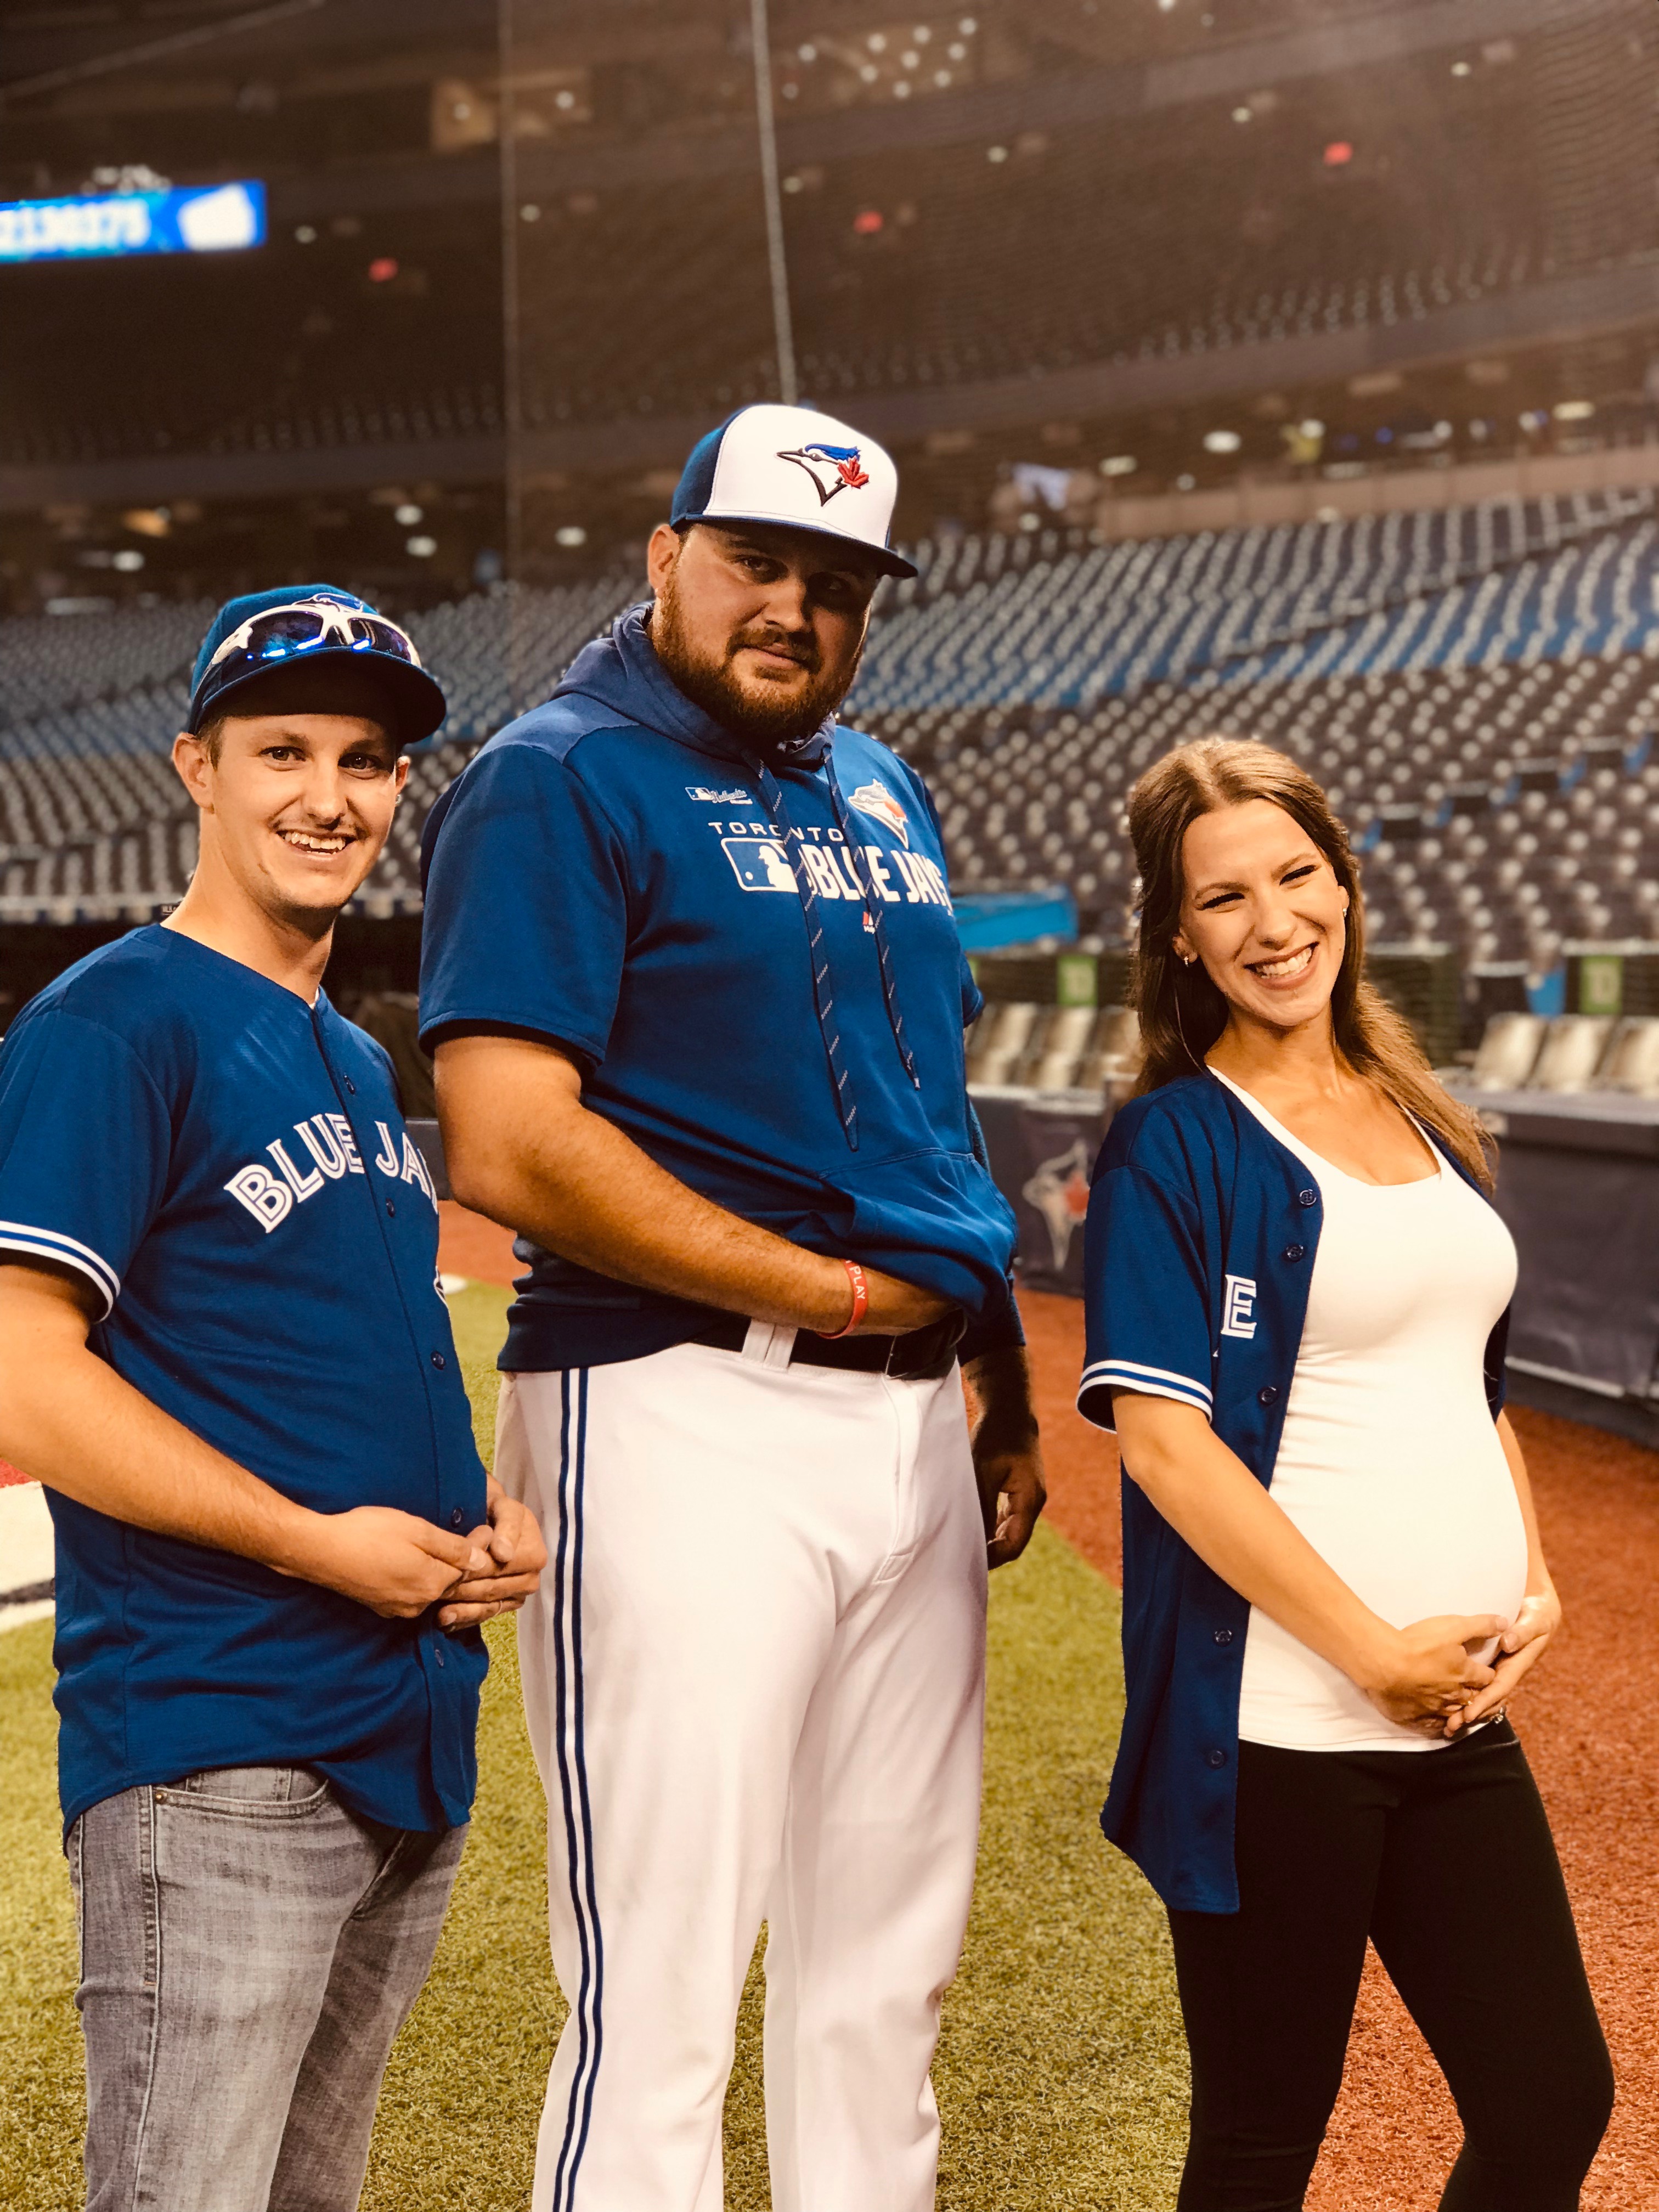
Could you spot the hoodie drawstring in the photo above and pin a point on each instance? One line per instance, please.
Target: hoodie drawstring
(822, 981)
(872, 908)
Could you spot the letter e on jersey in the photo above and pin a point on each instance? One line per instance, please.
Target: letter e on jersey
(1238, 1307)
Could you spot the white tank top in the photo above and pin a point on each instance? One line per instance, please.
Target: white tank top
(1389, 1463)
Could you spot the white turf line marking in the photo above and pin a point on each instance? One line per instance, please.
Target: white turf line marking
(19, 1616)
(26, 1542)
(450, 1284)
(26, 1551)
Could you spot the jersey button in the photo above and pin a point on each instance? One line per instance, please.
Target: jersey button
(1296, 1251)
(351, 1086)
(455, 1518)
(1267, 1394)
(1307, 1198)
(1215, 1758)
(390, 1208)
(1223, 1635)
(438, 1359)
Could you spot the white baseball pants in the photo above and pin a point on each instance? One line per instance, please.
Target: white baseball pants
(754, 1682)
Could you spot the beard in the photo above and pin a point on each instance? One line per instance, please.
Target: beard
(763, 715)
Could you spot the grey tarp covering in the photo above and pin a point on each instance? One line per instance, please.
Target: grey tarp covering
(1578, 1184)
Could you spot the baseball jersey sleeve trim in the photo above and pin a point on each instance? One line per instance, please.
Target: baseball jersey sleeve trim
(1094, 1400)
(67, 1252)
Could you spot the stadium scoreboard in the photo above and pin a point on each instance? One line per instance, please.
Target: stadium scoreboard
(192, 219)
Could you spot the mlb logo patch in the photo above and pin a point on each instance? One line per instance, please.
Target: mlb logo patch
(760, 864)
(875, 799)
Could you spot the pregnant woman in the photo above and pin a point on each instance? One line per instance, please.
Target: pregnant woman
(1297, 1293)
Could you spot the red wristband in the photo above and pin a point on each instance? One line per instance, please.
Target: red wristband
(860, 1302)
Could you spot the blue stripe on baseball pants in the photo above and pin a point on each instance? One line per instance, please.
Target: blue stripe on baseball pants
(754, 1685)
(587, 2007)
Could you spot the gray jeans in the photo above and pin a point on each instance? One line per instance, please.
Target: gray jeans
(249, 1951)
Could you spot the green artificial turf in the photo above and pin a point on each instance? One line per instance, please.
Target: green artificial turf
(42, 2096)
(1061, 2072)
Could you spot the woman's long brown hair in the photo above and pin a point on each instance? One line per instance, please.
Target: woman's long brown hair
(1182, 1013)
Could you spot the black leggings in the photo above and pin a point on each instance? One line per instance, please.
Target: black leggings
(1444, 1859)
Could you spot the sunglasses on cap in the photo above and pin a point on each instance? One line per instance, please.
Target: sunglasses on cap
(284, 633)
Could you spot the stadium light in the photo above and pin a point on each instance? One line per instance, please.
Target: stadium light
(203, 219)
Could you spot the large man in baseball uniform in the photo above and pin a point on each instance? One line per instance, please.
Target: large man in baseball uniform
(697, 1001)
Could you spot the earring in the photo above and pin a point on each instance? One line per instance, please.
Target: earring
(1188, 959)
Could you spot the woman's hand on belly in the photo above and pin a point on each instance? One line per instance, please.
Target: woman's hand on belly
(1425, 1675)
(1524, 1644)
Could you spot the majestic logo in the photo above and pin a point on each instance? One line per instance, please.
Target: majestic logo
(1059, 1191)
(875, 799)
(832, 468)
(705, 797)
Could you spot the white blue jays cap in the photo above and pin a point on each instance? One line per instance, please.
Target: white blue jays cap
(799, 470)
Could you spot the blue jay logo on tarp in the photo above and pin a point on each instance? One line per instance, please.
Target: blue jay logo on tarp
(1058, 1189)
(833, 469)
(875, 799)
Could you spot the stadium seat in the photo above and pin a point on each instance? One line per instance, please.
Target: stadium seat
(1477, 688)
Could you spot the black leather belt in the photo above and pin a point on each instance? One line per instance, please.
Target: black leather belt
(921, 1355)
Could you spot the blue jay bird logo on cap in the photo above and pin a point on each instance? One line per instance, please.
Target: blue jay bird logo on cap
(832, 468)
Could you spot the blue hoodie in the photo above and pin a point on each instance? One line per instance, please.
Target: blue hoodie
(607, 875)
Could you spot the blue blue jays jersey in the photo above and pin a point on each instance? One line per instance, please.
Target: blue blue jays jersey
(227, 1170)
(1199, 1250)
(607, 875)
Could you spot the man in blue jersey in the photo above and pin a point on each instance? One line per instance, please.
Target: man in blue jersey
(697, 1000)
(224, 1351)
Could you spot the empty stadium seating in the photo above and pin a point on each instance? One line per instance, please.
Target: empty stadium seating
(1477, 688)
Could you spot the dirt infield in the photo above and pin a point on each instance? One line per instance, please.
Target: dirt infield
(1591, 1725)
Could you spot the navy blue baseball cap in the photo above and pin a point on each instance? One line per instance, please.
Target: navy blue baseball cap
(298, 625)
(793, 466)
